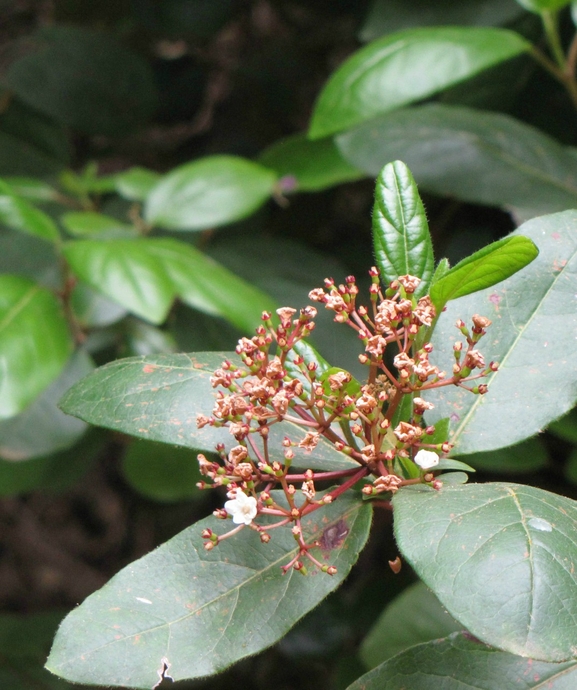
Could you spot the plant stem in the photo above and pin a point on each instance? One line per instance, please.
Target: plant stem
(568, 82)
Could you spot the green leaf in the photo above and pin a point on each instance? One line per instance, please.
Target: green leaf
(162, 472)
(401, 238)
(84, 79)
(18, 214)
(211, 602)
(532, 337)
(42, 428)
(140, 338)
(206, 285)
(570, 469)
(414, 616)
(158, 398)
(450, 464)
(126, 272)
(208, 192)
(483, 269)
(136, 183)
(97, 225)
(34, 342)
(404, 67)
(540, 6)
(500, 558)
(94, 310)
(308, 166)
(443, 267)
(32, 188)
(487, 158)
(460, 662)
(527, 456)
(566, 427)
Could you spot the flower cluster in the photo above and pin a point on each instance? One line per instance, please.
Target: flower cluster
(278, 380)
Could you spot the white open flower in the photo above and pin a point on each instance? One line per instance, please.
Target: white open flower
(242, 508)
(426, 459)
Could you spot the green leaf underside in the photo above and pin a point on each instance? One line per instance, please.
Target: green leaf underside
(501, 558)
(401, 238)
(209, 192)
(460, 662)
(197, 612)
(532, 336)
(488, 158)
(159, 398)
(407, 66)
(34, 342)
(483, 269)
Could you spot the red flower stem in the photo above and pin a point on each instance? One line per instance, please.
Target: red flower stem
(322, 476)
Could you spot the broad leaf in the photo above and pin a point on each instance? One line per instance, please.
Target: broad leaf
(34, 342)
(32, 188)
(194, 612)
(97, 225)
(483, 269)
(566, 427)
(135, 183)
(159, 397)
(527, 456)
(500, 557)
(404, 67)
(401, 238)
(18, 214)
(532, 337)
(308, 166)
(488, 158)
(459, 662)
(415, 616)
(208, 192)
(140, 338)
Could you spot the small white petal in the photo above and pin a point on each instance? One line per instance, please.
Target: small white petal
(426, 459)
(242, 509)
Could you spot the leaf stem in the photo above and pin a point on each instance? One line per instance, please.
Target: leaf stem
(549, 18)
(567, 81)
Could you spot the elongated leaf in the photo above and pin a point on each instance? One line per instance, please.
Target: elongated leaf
(532, 337)
(407, 66)
(195, 612)
(97, 225)
(32, 188)
(500, 557)
(159, 397)
(18, 214)
(415, 616)
(34, 342)
(401, 238)
(308, 166)
(483, 269)
(208, 192)
(459, 662)
(527, 456)
(125, 271)
(488, 158)
(136, 183)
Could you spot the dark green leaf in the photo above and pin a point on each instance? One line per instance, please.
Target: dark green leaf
(450, 464)
(34, 342)
(460, 662)
(404, 67)
(570, 469)
(401, 238)
(500, 558)
(415, 616)
(213, 602)
(135, 184)
(140, 339)
(483, 269)
(532, 337)
(308, 166)
(97, 225)
(18, 214)
(487, 158)
(159, 397)
(527, 456)
(208, 192)
(566, 427)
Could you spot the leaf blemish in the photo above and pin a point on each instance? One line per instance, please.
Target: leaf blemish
(333, 536)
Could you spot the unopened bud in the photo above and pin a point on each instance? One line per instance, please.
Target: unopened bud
(396, 565)
(209, 545)
(264, 537)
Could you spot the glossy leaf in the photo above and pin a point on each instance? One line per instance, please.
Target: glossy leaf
(404, 67)
(401, 239)
(413, 617)
(488, 158)
(34, 342)
(532, 337)
(527, 456)
(459, 662)
(126, 272)
(135, 184)
(308, 166)
(159, 397)
(500, 558)
(97, 225)
(208, 192)
(181, 597)
(483, 269)
(18, 214)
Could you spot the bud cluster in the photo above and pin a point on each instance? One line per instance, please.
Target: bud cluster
(274, 384)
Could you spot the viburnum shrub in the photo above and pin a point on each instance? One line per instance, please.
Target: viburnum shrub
(304, 451)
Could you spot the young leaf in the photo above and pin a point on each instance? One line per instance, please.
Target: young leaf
(208, 192)
(532, 337)
(97, 225)
(159, 397)
(223, 604)
(18, 214)
(484, 268)
(487, 552)
(136, 183)
(401, 238)
(34, 342)
(407, 66)
(460, 661)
